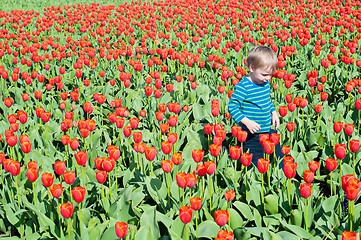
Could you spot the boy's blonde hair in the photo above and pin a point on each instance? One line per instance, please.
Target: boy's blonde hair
(261, 57)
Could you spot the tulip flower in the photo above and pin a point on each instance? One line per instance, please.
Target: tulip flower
(66, 210)
(306, 190)
(59, 167)
(47, 179)
(197, 155)
(224, 234)
(221, 217)
(166, 147)
(351, 185)
(349, 129)
(121, 229)
(346, 235)
(56, 190)
(313, 165)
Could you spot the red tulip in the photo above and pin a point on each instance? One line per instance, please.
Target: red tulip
(181, 179)
(113, 152)
(283, 110)
(308, 176)
(352, 188)
(74, 143)
(166, 165)
(201, 170)
(285, 150)
(224, 235)
(210, 167)
(81, 158)
(208, 128)
(108, 164)
(78, 194)
(246, 159)
(150, 153)
(221, 217)
(262, 165)
(164, 127)
(69, 177)
(66, 210)
(313, 165)
(172, 121)
(268, 146)
(166, 147)
(354, 145)
(56, 190)
(290, 126)
(101, 176)
(137, 137)
(185, 214)
(337, 126)
(172, 137)
(235, 152)
(47, 179)
(197, 155)
(242, 136)
(177, 158)
(191, 180)
(229, 195)
(121, 229)
(127, 131)
(340, 150)
(345, 179)
(214, 149)
(306, 189)
(349, 129)
(196, 203)
(59, 167)
(346, 235)
(235, 130)
(14, 168)
(289, 169)
(331, 164)
(275, 138)
(134, 122)
(32, 174)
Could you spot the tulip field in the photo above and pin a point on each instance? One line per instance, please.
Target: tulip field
(114, 120)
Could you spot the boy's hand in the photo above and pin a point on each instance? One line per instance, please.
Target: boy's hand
(251, 125)
(275, 119)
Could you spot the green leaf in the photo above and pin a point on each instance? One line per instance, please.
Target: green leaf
(208, 229)
(149, 219)
(241, 234)
(296, 230)
(287, 235)
(235, 219)
(244, 209)
(110, 234)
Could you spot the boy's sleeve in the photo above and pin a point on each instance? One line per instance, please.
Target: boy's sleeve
(236, 101)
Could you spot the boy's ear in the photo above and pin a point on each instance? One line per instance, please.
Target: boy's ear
(251, 69)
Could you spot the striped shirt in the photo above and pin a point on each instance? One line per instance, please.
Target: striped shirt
(252, 101)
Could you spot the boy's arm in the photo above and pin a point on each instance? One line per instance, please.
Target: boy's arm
(234, 106)
(235, 103)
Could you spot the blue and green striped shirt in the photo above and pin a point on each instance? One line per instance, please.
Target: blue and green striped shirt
(252, 101)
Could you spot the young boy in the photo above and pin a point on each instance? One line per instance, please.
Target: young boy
(251, 106)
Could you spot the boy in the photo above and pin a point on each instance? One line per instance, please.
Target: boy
(251, 106)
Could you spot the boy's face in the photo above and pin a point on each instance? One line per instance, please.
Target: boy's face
(261, 75)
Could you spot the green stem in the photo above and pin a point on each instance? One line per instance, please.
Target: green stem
(197, 223)
(81, 224)
(289, 193)
(306, 215)
(110, 190)
(167, 175)
(69, 228)
(262, 190)
(210, 193)
(331, 182)
(17, 190)
(351, 213)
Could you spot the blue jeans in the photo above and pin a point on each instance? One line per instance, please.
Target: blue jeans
(252, 145)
